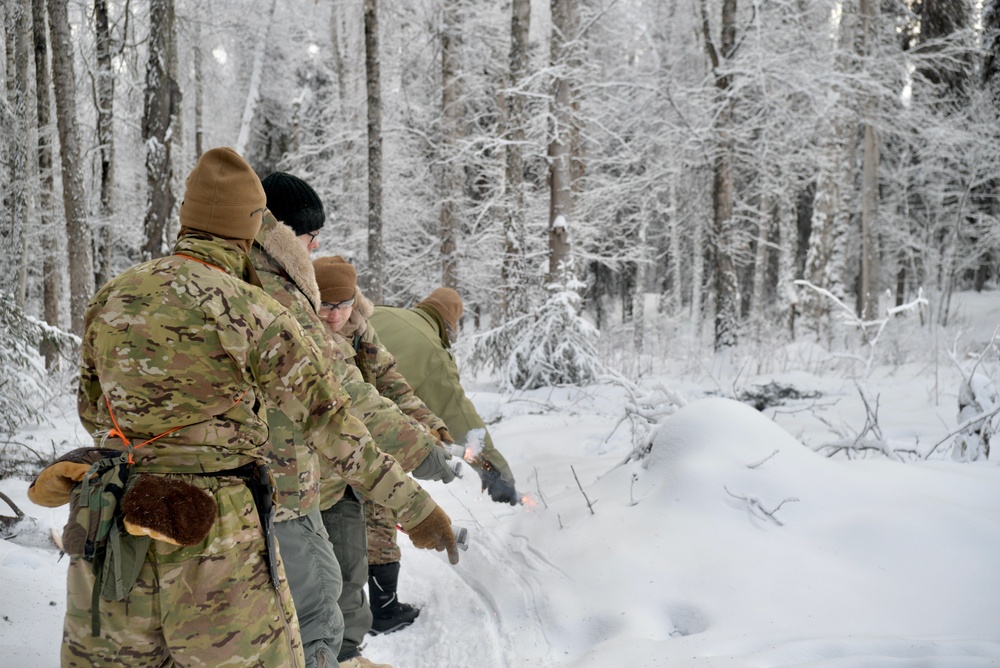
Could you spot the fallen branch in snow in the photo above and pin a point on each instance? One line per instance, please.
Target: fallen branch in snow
(757, 509)
(589, 504)
(854, 446)
(6, 521)
(965, 425)
(754, 465)
(539, 488)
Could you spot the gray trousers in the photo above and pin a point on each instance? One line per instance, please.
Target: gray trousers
(315, 581)
(345, 523)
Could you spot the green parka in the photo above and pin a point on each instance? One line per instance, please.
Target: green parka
(414, 339)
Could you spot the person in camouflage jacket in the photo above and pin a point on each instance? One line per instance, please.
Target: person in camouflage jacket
(337, 281)
(179, 355)
(281, 259)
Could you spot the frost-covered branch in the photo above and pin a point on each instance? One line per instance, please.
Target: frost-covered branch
(757, 509)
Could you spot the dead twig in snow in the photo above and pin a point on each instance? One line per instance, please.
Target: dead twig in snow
(590, 505)
(757, 509)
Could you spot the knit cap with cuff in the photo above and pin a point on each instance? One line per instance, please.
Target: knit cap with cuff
(448, 305)
(294, 202)
(223, 196)
(336, 278)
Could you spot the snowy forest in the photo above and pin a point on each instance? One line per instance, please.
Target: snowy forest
(731, 272)
(591, 175)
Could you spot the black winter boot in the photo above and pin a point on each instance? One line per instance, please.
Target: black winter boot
(388, 614)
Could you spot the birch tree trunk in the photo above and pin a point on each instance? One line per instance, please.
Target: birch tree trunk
(17, 130)
(104, 89)
(161, 103)
(376, 264)
(561, 139)
(452, 112)
(253, 91)
(52, 266)
(512, 270)
(81, 274)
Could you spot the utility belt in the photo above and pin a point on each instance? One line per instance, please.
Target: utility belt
(103, 520)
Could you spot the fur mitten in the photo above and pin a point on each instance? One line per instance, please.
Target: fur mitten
(168, 509)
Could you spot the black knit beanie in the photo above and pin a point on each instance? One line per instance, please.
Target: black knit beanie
(294, 202)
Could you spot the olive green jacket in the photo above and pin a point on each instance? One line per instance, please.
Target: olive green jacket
(414, 340)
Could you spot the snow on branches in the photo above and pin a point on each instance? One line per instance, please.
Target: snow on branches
(550, 346)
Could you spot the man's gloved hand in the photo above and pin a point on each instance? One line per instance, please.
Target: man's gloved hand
(499, 489)
(435, 467)
(444, 436)
(435, 533)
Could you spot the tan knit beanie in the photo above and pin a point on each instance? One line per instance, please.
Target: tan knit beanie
(223, 196)
(336, 279)
(447, 303)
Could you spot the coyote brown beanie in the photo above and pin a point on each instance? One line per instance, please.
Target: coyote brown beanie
(447, 303)
(294, 202)
(223, 196)
(336, 279)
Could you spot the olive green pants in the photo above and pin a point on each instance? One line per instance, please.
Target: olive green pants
(345, 522)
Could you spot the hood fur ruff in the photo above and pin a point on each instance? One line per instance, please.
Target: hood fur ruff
(280, 242)
(358, 322)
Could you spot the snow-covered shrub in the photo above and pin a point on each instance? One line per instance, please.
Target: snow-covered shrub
(553, 345)
(25, 385)
(977, 404)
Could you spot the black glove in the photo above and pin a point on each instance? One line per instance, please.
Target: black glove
(500, 490)
(435, 467)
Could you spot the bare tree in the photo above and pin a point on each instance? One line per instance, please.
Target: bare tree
(162, 101)
(376, 265)
(52, 266)
(512, 270)
(725, 282)
(565, 29)
(199, 94)
(16, 130)
(104, 96)
(452, 111)
(81, 275)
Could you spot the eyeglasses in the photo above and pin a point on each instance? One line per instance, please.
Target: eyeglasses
(346, 304)
(313, 235)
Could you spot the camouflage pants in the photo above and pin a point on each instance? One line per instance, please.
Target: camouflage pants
(210, 604)
(380, 524)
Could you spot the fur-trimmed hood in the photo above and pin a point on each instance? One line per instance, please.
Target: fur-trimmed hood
(279, 241)
(358, 322)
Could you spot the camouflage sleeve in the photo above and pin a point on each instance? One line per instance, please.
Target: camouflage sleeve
(391, 384)
(408, 441)
(89, 392)
(299, 382)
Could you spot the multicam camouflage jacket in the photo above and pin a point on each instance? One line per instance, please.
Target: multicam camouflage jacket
(287, 275)
(185, 349)
(408, 441)
(378, 366)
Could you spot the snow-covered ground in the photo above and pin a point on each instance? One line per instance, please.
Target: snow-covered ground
(732, 544)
